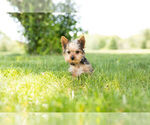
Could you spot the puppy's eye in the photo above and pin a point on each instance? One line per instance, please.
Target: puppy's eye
(77, 52)
(68, 52)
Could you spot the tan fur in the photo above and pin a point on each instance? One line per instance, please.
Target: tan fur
(70, 49)
(64, 41)
(82, 40)
(79, 69)
(73, 47)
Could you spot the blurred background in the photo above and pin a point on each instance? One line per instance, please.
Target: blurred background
(35, 27)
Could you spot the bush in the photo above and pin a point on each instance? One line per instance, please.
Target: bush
(3, 46)
(143, 45)
(113, 44)
(43, 30)
(102, 43)
(148, 44)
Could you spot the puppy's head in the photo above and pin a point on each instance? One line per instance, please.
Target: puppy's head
(73, 51)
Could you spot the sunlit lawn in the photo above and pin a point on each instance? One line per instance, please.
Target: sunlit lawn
(120, 83)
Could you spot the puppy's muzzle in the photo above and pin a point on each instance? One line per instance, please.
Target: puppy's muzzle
(72, 57)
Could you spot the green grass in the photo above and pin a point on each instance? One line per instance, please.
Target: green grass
(120, 83)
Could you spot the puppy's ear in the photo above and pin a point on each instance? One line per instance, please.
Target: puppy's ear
(64, 42)
(81, 41)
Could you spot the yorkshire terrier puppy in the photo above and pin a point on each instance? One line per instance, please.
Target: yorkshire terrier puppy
(74, 54)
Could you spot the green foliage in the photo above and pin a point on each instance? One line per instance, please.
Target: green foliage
(146, 34)
(146, 41)
(11, 46)
(3, 46)
(33, 5)
(43, 30)
(120, 83)
(143, 46)
(6, 44)
(136, 41)
(102, 43)
(3, 40)
(113, 44)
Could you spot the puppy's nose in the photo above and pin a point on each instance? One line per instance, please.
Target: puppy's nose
(72, 57)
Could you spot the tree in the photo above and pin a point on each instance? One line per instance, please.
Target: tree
(44, 29)
(143, 45)
(146, 41)
(102, 43)
(113, 44)
(4, 39)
